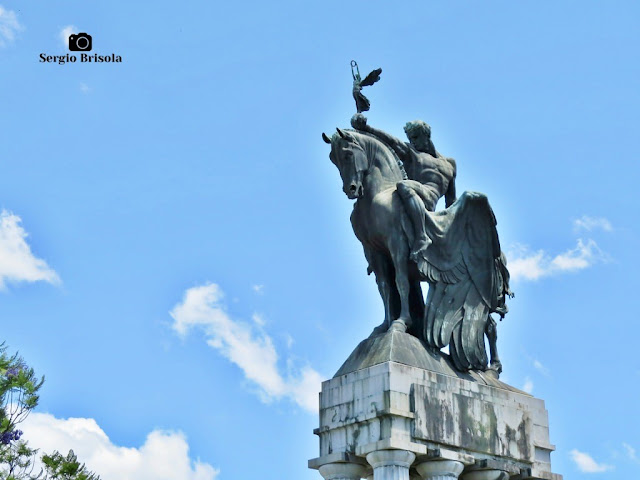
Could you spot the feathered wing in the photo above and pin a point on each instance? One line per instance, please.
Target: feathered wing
(468, 280)
(372, 78)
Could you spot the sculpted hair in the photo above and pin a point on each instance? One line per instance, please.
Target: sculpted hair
(418, 125)
(424, 128)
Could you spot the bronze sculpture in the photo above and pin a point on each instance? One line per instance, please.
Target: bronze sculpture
(362, 103)
(396, 186)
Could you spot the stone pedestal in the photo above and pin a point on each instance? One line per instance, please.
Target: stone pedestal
(394, 395)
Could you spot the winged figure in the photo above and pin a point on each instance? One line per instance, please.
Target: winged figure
(362, 102)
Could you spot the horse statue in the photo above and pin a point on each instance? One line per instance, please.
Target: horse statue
(370, 172)
(464, 265)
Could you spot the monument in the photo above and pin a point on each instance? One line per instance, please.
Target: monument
(400, 408)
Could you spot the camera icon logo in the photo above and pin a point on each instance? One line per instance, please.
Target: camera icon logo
(80, 42)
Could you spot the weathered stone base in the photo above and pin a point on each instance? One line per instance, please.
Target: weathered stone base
(445, 422)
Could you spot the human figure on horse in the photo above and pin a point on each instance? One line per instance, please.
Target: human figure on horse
(431, 176)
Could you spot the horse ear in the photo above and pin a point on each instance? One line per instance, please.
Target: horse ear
(341, 133)
(326, 139)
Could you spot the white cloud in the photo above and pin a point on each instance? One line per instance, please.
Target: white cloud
(528, 385)
(592, 223)
(252, 351)
(289, 339)
(587, 464)
(631, 452)
(258, 289)
(526, 265)
(65, 32)
(9, 25)
(84, 88)
(258, 319)
(305, 387)
(540, 367)
(17, 263)
(163, 456)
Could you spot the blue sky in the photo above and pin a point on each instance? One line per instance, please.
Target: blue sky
(175, 251)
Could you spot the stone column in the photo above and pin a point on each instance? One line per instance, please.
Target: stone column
(343, 471)
(391, 464)
(486, 475)
(440, 470)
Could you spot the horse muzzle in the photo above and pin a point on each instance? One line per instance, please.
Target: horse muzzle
(354, 191)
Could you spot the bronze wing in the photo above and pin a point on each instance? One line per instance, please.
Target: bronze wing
(468, 279)
(372, 78)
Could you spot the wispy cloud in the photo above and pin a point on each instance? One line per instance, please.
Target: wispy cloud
(259, 289)
(540, 367)
(528, 385)
(9, 26)
(587, 464)
(289, 339)
(592, 223)
(258, 319)
(84, 88)
(246, 346)
(65, 32)
(163, 456)
(527, 265)
(631, 452)
(17, 262)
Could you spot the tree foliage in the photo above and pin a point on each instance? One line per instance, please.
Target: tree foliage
(19, 388)
(59, 467)
(18, 396)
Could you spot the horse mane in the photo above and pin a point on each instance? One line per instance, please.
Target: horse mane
(399, 162)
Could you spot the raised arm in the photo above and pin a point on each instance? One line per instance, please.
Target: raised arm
(359, 122)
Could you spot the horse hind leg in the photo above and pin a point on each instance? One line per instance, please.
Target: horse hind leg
(491, 331)
(416, 304)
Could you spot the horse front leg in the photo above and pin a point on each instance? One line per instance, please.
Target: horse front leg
(379, 265)
(400, 255)
(491, 330)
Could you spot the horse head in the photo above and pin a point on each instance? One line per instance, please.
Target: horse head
(351, 159)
